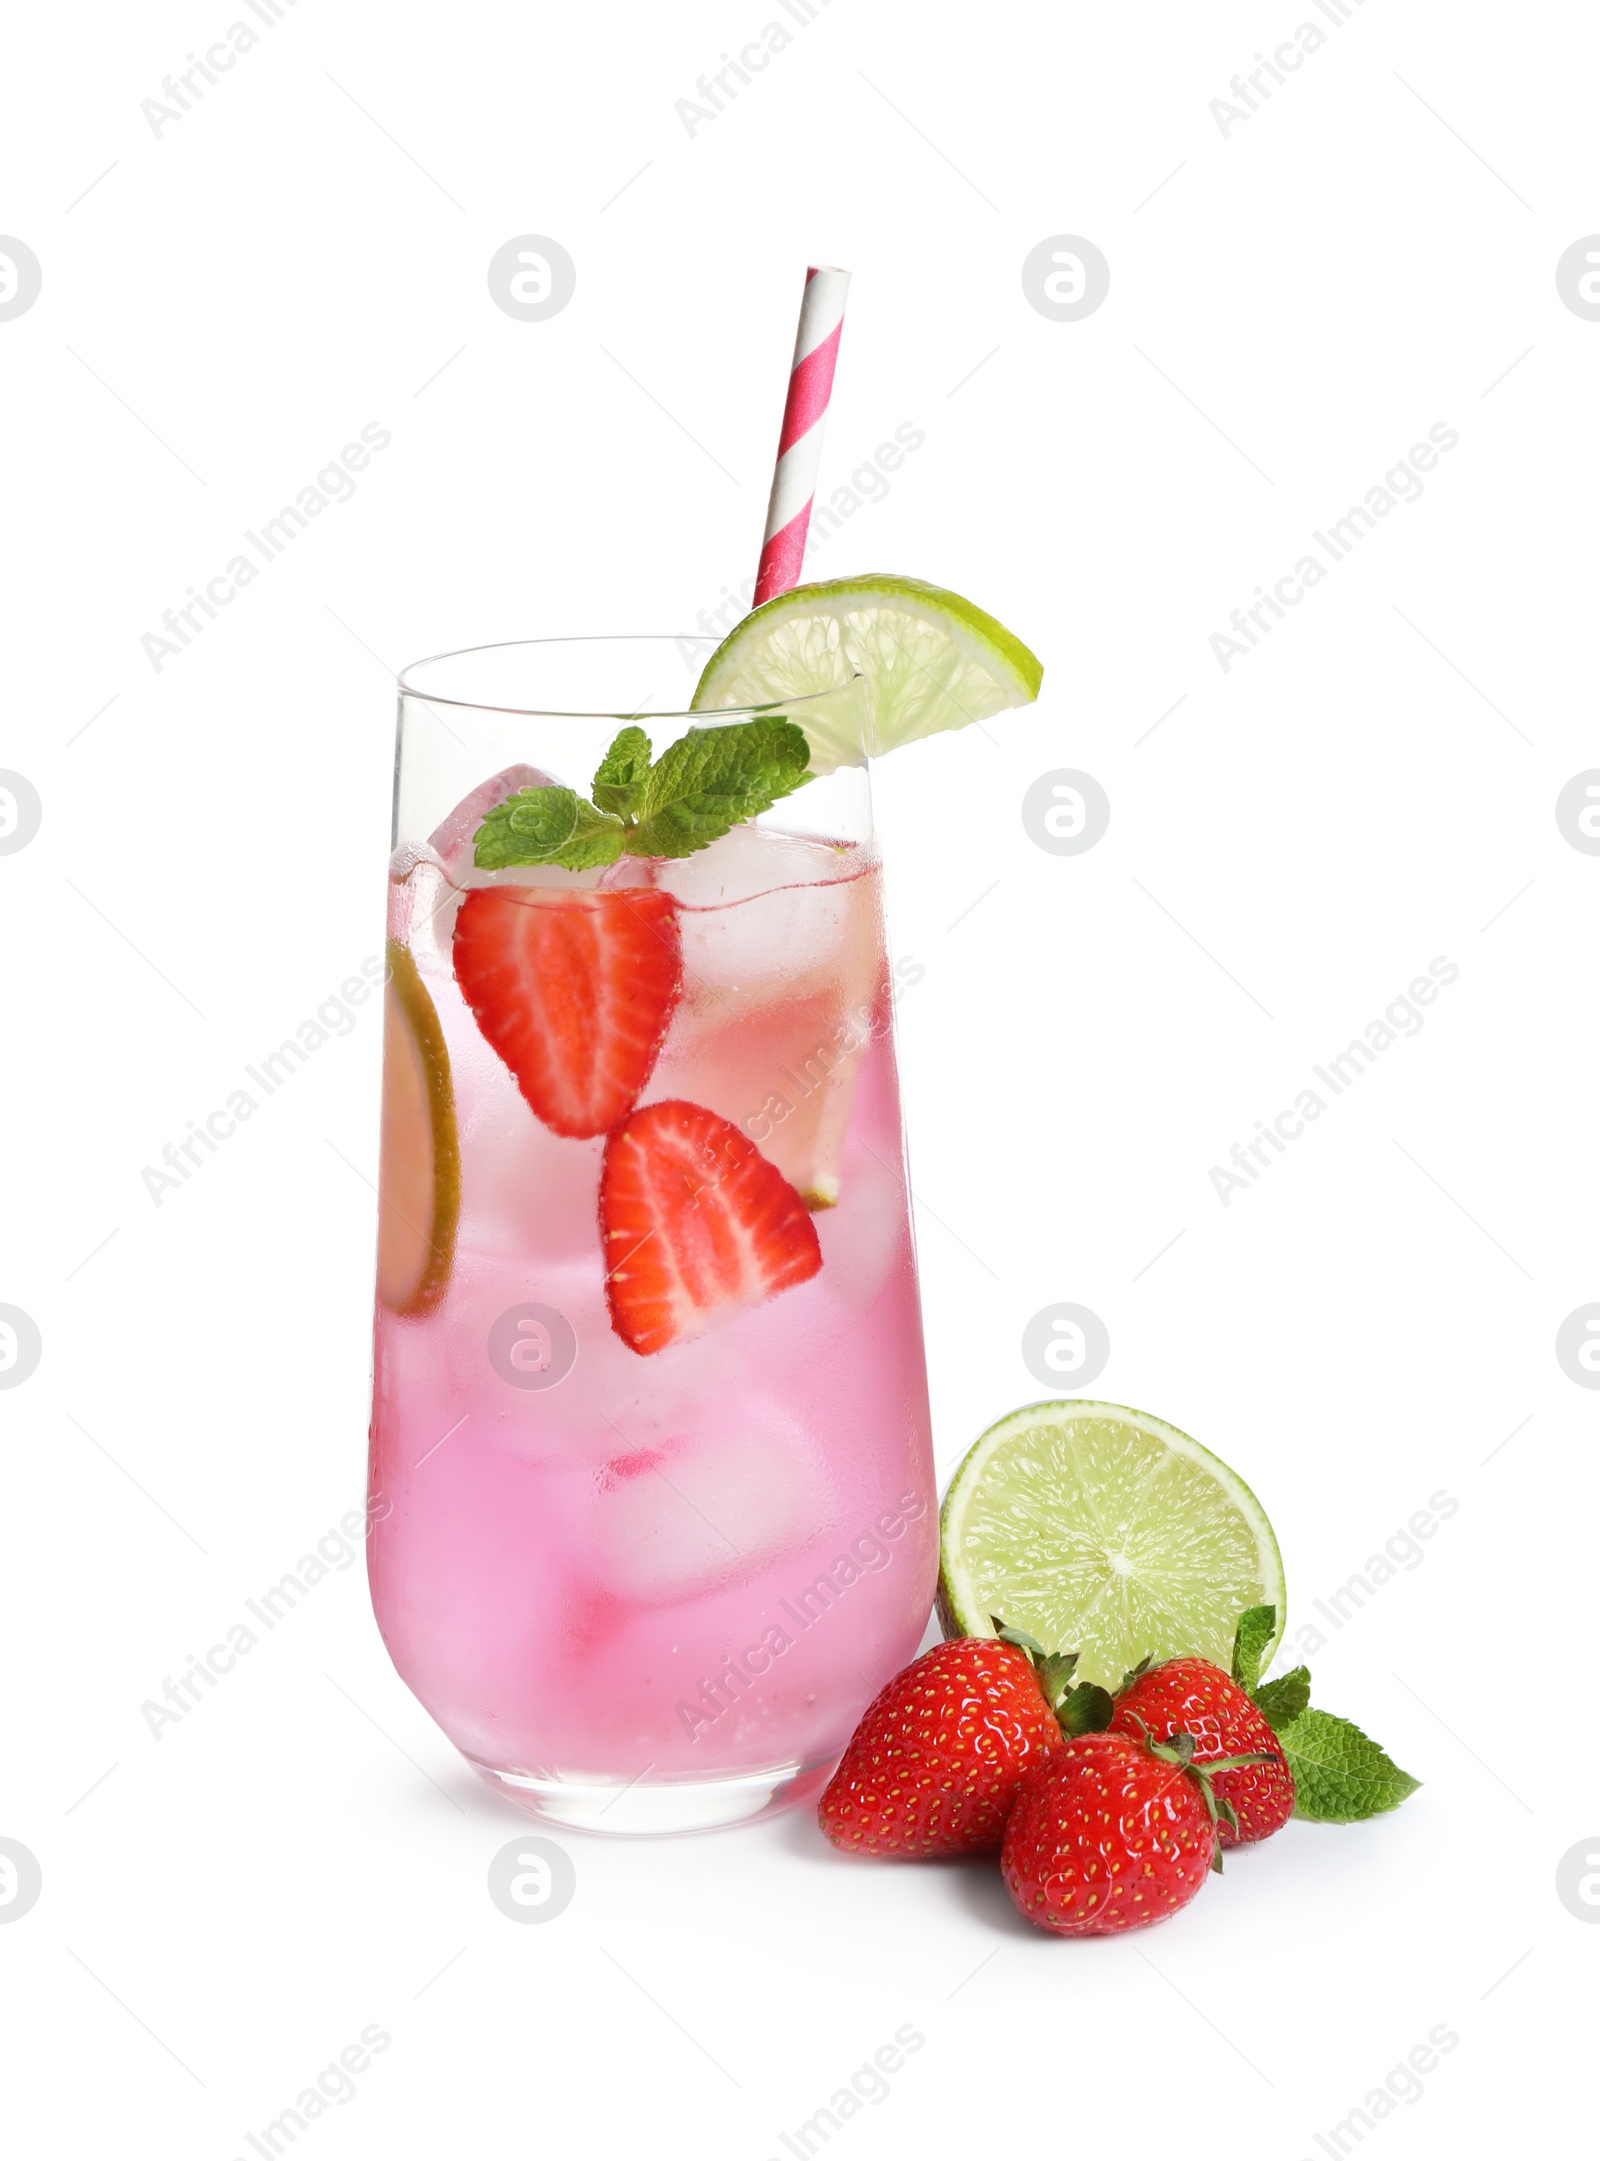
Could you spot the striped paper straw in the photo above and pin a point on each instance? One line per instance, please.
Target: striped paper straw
(794, 483)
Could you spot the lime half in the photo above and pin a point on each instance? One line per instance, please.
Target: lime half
(1107, 1532)
(931, 660)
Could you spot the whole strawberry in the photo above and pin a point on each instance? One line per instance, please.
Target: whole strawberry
(934, 1766)
(1190, 1695)
(1109, 1833)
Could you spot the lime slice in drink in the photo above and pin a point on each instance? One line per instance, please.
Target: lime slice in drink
(931, 661)
(1107, 1532)
(419, 1163)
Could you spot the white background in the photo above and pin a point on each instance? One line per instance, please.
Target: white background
(1291, 842)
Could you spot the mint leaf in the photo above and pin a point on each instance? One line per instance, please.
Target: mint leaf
(547, 825)
(1339, 1775)
(597, 839)
(709, 781)
(1281, 1701)
(622, 772)
(527, 827)
(713, 779)
(1255, 1631)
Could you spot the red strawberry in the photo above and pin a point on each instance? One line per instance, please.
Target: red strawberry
(1107, 1834)
(935, 1763)
(694, 1222)
(573, 990)
(1190, 1695)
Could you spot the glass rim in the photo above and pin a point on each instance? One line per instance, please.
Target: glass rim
(718, 716)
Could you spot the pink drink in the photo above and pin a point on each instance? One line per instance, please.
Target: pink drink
(685, 1573)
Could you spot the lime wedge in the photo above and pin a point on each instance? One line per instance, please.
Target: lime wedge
(1107, 1532)
(931, 661)
(419, 1158)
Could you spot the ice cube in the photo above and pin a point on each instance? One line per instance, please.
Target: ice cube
(442, 869)
(750, 860)
(452, 839)
(677, 1521)
(782, 992)
(776, 912)
(416, 882)
(863, 1236)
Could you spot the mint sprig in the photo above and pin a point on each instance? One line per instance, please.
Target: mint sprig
(1255, 1631)
(621, 773)
(547, 825)
(1280, 1702)
(709, 781)
(1340, 1776)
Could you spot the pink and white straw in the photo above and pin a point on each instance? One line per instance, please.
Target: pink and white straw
(794, 483)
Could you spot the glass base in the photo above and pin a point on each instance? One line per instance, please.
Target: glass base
(660, 1809)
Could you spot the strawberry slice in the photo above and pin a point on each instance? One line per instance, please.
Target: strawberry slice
(573, 990)
(695, 1222)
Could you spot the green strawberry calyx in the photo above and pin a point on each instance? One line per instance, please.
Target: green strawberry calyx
(1081, 1706)
(1178, 1749)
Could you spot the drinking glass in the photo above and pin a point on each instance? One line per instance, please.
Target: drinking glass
(641, 1588)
